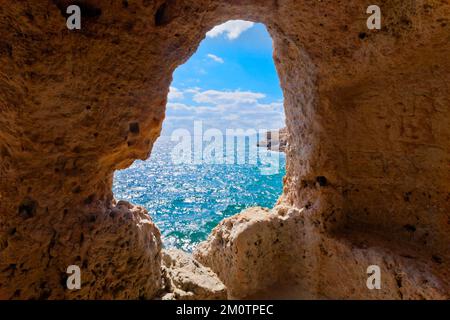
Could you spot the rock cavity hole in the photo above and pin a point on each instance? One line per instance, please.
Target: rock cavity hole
(211, 160)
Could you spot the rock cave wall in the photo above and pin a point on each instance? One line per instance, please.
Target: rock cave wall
(368, 162)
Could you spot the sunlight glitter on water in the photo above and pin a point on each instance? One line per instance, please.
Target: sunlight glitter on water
(187, 201)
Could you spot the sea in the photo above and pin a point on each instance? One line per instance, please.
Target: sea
(187, 199)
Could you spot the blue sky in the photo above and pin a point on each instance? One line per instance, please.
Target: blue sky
(230, 82)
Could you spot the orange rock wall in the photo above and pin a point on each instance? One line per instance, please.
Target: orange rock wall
(367, 114)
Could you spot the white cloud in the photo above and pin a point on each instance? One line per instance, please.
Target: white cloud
(232, 29)
(215, 58)
(177, 106)
(193, 90)
(216, 97)
(224, 109)
(175, 94)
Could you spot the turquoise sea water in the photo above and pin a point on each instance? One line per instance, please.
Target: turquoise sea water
(187, 201)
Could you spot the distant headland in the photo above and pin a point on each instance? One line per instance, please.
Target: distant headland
(275, 140)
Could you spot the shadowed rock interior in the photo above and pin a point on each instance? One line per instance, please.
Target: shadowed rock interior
(367, 112)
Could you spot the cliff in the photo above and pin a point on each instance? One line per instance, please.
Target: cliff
(275, 140)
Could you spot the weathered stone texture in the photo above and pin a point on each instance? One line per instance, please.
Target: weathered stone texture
(368, 160)
(279, 254)
(185, 278)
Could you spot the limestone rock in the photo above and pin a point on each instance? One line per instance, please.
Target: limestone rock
(278, 254)
(187, 279)
(367, 116)
(117, 250)
(247, 251)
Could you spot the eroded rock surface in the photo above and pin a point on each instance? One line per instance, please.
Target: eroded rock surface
(367, 116)
(248, 250)
(187, 279)
(267, 254)
(117, 249)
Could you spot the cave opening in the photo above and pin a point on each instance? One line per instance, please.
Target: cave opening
(221, 149)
